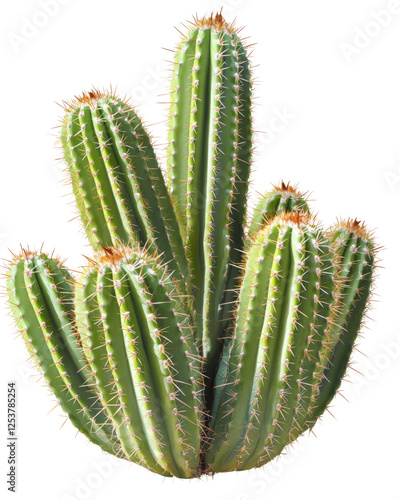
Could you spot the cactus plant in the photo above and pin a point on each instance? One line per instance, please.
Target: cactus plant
(197, 339)
(127, 371)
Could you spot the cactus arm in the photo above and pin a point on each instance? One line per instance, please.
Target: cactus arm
(208, 152)
(253, 423)
(118, 185)
(145, 359)
(283, 198)
(356, 255)
(288, 373)
(48, 333)
(282, 339)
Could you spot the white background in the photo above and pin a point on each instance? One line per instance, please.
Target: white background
(334, 71)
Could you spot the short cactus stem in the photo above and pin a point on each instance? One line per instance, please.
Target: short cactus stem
(118, 186)
(140, 345)
(41, 300)
(262, 388)
(355, 251)
(208, 162)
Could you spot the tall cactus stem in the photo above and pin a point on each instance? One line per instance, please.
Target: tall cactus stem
(208, 162)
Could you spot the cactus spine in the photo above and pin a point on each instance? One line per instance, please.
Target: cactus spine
(196, 340)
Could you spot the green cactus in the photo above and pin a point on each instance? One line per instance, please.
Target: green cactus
(208, 164)
(118, 186)
(41, 300)
(115, 369)
(355, 252)
(284, 198)
(282, 313)
(197, 339)
(129, 314)
(298, 315)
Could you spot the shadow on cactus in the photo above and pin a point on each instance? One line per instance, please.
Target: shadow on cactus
(197, 339)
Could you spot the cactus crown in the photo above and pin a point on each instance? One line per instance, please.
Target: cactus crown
(215, 21)
(91, 99)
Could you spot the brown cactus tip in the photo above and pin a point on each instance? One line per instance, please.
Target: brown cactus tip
(27, 254)
(287, 188)
(359, 228)
(91, 98)
(298, 219)
(113, 256)
(216, 21)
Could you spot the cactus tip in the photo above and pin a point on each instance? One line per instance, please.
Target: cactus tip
(359, 228)
(216, 21)
(298, 219)
(287, 188)
(91, 99)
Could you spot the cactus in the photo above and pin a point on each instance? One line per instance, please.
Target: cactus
(282, 314)
(208, 164)
(355, 251)
(129, 314)
(118, 186)
(298, 314)
(114, 369)
(197, 339)
(41, 300)
(283, 198)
